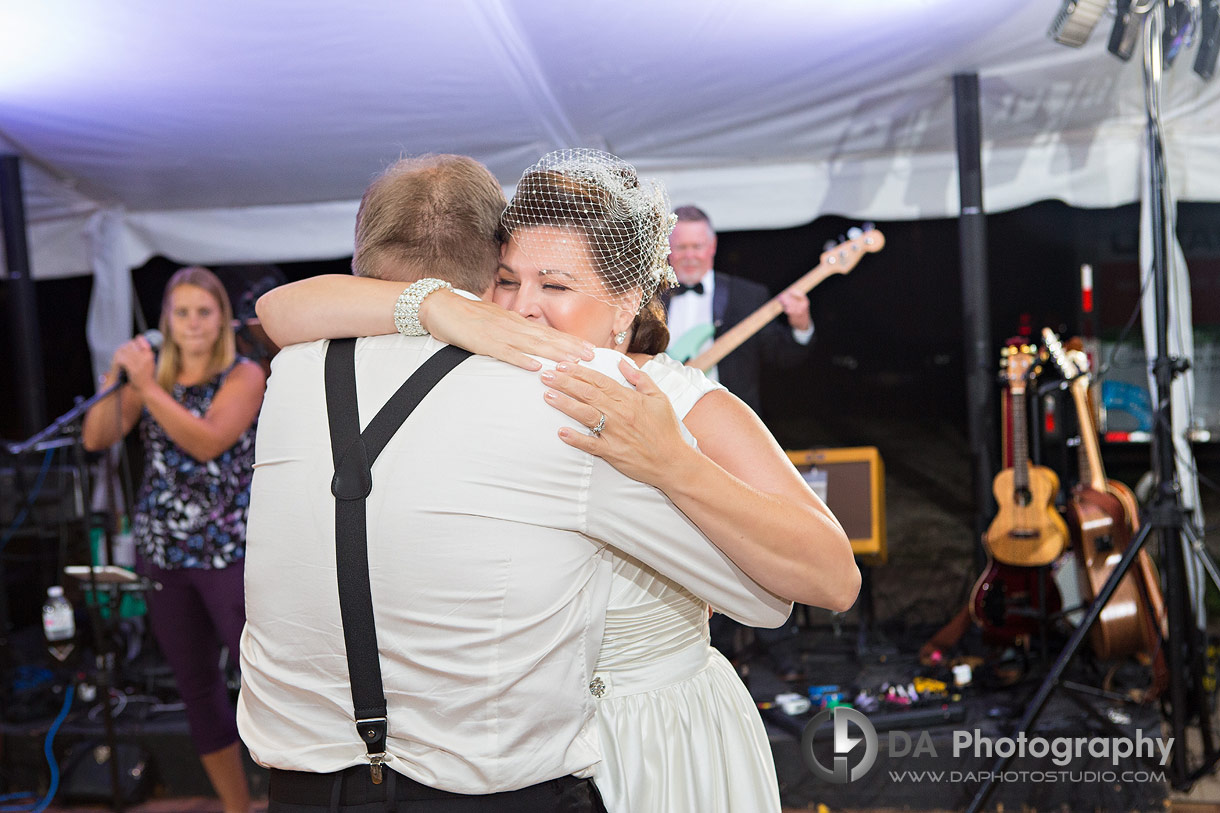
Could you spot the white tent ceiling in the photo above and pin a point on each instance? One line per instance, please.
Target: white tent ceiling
(237, 131)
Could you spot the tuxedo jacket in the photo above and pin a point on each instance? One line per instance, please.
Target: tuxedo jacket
(733, 300)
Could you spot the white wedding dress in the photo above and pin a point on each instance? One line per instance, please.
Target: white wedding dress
(679, 732)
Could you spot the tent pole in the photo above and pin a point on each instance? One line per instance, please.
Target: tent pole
(976, 303)
(22, 304)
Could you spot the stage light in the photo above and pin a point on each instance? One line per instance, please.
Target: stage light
(1126, 30)
(1209, 45)
(1181, 18)
(1076, 20)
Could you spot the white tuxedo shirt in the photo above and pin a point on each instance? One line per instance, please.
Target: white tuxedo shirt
(490, 573)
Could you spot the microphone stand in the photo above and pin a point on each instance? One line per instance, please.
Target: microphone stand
(65, 422)
(70, 424)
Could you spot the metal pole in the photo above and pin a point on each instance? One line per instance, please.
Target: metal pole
(1184, 647)
(25, 342)
(976, 301)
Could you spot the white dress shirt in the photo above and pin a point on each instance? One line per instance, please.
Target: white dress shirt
(690, 310)
(489, 569)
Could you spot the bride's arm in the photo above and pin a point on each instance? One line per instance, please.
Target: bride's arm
(335, 306)
(739, 487)
(330, 306)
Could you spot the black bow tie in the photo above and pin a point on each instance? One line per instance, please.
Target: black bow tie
(681, 289)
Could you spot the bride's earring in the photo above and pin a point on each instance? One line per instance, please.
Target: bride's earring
(620, 337)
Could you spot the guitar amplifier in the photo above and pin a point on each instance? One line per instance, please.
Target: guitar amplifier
(854, 491)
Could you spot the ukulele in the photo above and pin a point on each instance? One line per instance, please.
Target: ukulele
(838, 260)
(1027, 530)
(1009, 601)
(1103, 515)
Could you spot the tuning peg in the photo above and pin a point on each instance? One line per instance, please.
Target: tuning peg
(854, 233)
(828, 245)
(867, 226)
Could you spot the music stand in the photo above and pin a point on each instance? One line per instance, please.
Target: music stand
(111, 577)
(114, 580)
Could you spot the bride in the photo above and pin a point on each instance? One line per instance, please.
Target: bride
(586, 256)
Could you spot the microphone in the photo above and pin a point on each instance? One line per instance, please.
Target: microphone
(155, 339)
(70, 418)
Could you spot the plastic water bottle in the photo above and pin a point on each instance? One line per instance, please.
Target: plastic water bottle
(58, 622)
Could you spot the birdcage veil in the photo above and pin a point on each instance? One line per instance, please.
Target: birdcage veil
(584, 204)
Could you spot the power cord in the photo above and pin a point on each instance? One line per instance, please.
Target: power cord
(45, 802)
(29, 500)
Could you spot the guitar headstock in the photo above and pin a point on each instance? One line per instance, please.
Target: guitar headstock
(1071, 362)
(842, 258)
(1020, 363)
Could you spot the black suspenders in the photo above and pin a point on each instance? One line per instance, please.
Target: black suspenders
(354, 452)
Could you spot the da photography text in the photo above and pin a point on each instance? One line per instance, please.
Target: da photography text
(855, 747)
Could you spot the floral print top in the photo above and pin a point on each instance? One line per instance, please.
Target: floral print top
(188, 513)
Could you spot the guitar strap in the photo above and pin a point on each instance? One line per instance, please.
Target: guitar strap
(722, 291)
(354, 452)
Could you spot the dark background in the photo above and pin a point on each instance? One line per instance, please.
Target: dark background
(887, 367)
(893, 326)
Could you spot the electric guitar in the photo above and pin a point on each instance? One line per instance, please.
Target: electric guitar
(1103, 515)
(838, 260)
(1027, 530)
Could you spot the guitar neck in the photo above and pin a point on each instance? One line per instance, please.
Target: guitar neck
(737, 335)
(1020, 443)
(1095, 473)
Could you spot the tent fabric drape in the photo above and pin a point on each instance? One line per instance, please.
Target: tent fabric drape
(231, 132)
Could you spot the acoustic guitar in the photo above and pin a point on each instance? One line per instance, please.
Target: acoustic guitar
(1010, 602)
(1103, 516)
(838, 260)
(1027, 530)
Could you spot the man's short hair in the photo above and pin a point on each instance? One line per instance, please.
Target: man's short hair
(431, 216)
(693, 214)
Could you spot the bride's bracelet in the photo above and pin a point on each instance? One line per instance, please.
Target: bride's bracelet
(406, 309)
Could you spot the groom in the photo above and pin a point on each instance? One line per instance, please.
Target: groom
(487, 554)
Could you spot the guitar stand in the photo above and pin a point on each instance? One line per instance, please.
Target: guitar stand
(1166, 519)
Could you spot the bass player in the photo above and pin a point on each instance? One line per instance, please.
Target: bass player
(706, 303)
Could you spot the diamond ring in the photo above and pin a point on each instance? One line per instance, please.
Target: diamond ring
(601, 424)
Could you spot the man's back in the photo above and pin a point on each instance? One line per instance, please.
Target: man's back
(446, 494)
(487, 566)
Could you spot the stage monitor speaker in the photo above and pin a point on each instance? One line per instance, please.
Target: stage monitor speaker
(49, 498)
(854, 491)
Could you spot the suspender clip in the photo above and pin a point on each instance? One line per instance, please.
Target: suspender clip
(375, 763)
(373, 731)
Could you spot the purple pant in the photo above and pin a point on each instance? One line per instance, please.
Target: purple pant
(194, 613)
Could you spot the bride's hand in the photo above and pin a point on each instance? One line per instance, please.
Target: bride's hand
(641, 436)
(490, 330)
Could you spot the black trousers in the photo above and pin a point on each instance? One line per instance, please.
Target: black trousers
(353, 791)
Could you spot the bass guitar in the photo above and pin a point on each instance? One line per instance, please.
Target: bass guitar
(1103, 516)
(838, 260)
